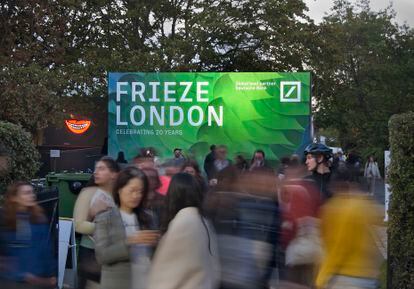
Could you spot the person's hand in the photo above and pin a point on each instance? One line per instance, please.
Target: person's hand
(99, 206)
(145, 237)
(52, 281)
(41, 281)
(212, 182)
(31, 279)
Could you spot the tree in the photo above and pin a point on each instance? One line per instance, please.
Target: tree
(363, 74)
(56, 54)
(28, 96)
(253, 35)
(21, 155)
(401, 224)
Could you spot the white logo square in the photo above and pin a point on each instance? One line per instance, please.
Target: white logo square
(290, 91)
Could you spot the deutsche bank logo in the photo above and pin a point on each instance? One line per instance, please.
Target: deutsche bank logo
(290, 91)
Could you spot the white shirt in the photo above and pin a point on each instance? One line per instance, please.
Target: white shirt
(130, 223)
(102, 195)
(140, 254)
(221, 164)
(371, 170)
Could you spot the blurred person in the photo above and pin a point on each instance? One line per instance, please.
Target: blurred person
(179, 158)
(104, 148)
(338, 162)
(221, 162)
(186, 256)
(284, 163)
(335, 161)
(240, 163)
(26, 248)
(294, 169)
(317, 161)
(191, 167)
(122, 239)
(301, 244)
(340, 155)
(95, 197)
(209, 162)
(165, 183)
(244, 212)
(121, 159)
(168, 170)
(294, 173)
(258, 161)
(351, 258)
(353, 163)
(371, 173)
(155, 202)
(145, 158)
(178, 153)
(301, 249)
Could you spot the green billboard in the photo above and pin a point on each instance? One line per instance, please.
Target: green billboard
(243, 110)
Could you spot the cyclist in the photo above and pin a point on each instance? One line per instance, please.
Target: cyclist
(317, 161)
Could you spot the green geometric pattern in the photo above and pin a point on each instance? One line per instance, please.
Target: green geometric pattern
(254, 115)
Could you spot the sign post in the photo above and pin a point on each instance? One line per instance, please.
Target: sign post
(67, 242)
(387, 161)
(54, 154)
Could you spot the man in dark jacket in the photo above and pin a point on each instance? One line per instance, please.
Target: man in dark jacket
(209, 162)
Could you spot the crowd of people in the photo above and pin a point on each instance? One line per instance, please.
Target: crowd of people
(237, 224)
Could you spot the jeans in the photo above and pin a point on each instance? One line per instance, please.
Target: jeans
(347, 282)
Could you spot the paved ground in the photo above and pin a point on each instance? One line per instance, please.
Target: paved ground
(380, 233)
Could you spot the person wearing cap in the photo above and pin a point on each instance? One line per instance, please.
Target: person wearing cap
(317, 162)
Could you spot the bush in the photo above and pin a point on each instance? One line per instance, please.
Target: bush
(18, 153)
(401, 224)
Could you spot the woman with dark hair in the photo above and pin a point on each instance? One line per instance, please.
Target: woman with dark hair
(122, 236)
(24, 240)
(94, 198)
(240, 163)
(155, 203)
(186, 257)
(191, 167)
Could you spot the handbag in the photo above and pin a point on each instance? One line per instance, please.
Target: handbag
(306, 247)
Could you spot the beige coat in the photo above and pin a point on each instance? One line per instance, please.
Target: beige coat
(183, 259)
(83, 222)
(112, 251)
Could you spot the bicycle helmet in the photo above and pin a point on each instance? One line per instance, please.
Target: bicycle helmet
(318, 149)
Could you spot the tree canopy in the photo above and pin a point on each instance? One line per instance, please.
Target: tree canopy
(55, 55)
(363, 64)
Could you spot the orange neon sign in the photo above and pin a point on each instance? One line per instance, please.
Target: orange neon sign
(78, 126)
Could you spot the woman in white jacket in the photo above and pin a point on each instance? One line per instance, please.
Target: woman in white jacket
(186, 257)
(371, 173)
